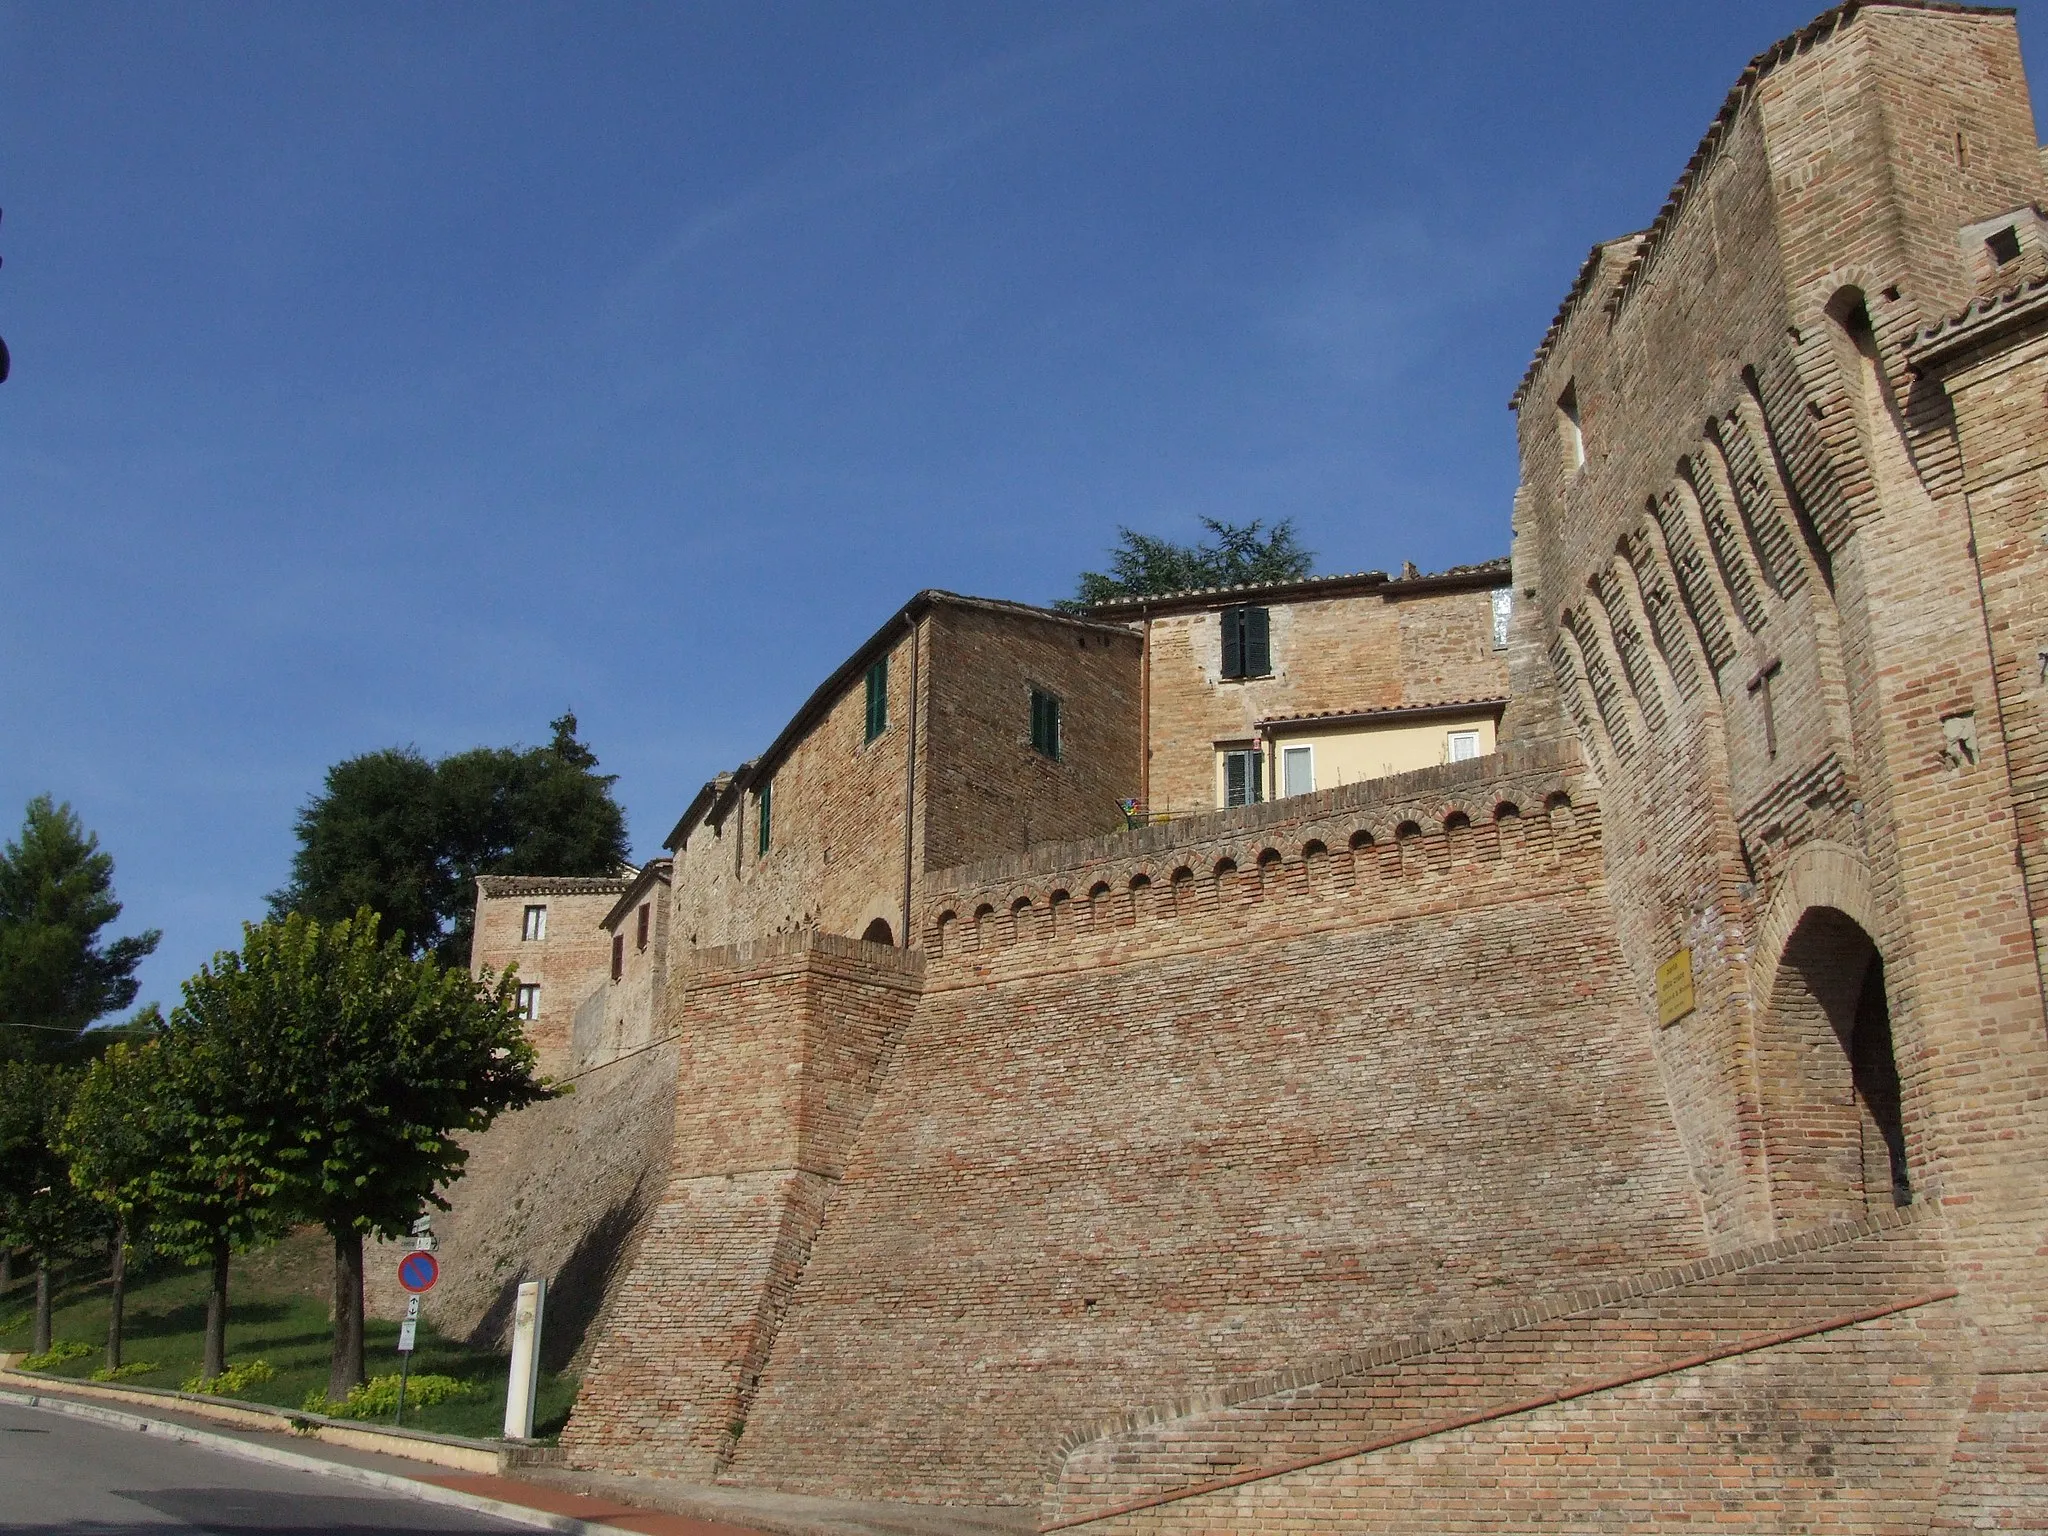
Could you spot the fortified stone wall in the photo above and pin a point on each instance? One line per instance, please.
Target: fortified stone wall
(1815, 1383)
(781, 1044)
(1175, 1106)
(560, 1191)
(1759, 598)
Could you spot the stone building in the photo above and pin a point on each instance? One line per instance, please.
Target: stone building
(1641, 1126)
(1251, 693)
(551, 928)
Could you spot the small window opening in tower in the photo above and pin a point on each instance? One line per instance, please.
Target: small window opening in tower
(1568, 425)
(2004, 245)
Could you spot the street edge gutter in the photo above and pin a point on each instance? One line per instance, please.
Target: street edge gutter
(390, 1482)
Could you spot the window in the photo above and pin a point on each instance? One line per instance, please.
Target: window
(618, 955)
(1503, 612)
(764, 801)
(1297, 770)
(1244, 771)
(878, 698)
(1247, 642)
(1568, 426)
(641, 940)
(1463, 745)
(536, 925)
(529, 996)
(2004, 245)
(1045, 724)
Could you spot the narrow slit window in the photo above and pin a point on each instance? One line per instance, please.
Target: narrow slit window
(1045, 724)
(1570, 428)
(878, 698)
(764, 805)
(644, 919)
(536, 926)
(618, 955)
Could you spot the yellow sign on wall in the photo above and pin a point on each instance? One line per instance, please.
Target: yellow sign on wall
(1674, 988)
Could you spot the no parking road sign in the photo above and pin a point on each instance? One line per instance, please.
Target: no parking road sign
(417, 1272)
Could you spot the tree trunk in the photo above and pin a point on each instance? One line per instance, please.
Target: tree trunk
(346, 1370)
(6, 1270)
(116, 1292)
(216, 1356)
(39, 1341)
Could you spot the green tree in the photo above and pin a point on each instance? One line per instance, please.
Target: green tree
(40, 1210)
(375, 1061)
(57, 974)
(110, 1140)
(1235, 554)
(407, 838)
(220, 1120)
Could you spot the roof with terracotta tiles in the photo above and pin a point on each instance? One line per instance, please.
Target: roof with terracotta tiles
(1314, 717)
(1982, 315)
(1487, 573)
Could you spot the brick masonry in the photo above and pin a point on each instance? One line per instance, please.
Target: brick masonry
(1169, 1116)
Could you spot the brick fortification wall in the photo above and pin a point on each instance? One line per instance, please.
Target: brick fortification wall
(1178, 1105)
(559, 1191)
(781, 1045)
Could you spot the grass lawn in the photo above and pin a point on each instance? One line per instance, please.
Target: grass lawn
(277, 1311)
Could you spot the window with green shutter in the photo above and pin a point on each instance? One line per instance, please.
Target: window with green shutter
(1045, 724)
(764, 802)
(1247, 642)
(878, 698)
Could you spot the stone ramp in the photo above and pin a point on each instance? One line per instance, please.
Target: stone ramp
(1820, 1368)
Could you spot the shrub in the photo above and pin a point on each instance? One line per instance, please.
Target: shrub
(124, 1372)
(57, 1354)
(378, 1398)
(233, 1381)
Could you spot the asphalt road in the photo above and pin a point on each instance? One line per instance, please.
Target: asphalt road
(69, 1477)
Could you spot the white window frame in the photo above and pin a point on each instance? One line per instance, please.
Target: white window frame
(533, 927)
(529, 1000)
(1451, 740)
(1308, 754)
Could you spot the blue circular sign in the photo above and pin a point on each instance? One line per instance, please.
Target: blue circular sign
(417, 1272)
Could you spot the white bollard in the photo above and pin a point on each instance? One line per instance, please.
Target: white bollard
(525, 1378)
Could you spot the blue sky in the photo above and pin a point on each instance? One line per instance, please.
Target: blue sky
(406, 374)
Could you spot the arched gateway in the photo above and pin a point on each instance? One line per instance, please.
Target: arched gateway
(1834, 1135)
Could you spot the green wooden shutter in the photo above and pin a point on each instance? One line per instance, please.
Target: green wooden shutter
(1258, 644)
(878, 698)
(1233, 642)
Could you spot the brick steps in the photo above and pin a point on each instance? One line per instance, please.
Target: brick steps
(1555, 1350)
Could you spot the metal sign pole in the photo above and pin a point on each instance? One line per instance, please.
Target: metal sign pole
(405, 1338)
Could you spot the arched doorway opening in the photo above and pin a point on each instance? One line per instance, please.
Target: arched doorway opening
(878, 932)
(1834, 1132)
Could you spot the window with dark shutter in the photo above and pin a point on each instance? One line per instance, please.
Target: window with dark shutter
(878, 698)
(1244, 777)
(764, 801)
(618, 955)
(1247, 642)
(1045, 724)
(641, 937)
(1258, 644)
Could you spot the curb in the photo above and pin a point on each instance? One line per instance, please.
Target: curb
(389, 1482)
